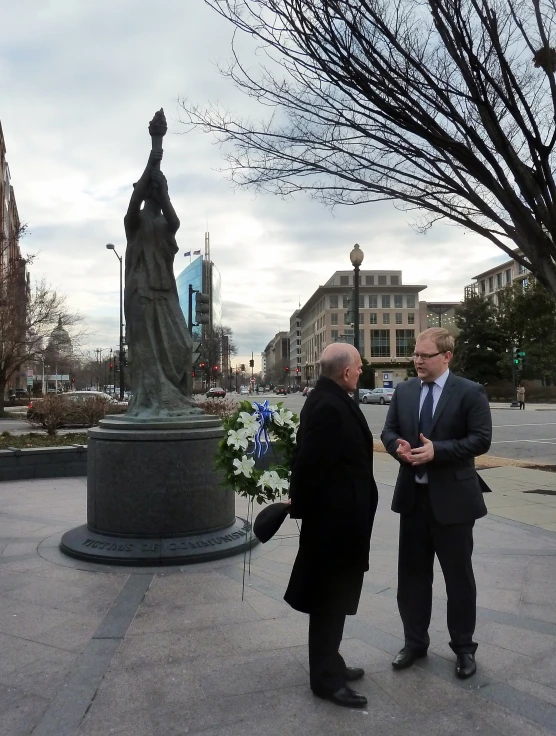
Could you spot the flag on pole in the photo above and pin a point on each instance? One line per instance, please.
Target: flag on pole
(187, 253)
(196, 252)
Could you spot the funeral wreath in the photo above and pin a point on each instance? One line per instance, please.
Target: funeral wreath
(257, 435)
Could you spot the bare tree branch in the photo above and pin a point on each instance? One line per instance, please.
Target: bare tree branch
(444, 106)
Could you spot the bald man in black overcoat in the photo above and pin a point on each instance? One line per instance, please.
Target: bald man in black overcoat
(334, 493)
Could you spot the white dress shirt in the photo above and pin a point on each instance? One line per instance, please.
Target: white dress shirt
(437, 388)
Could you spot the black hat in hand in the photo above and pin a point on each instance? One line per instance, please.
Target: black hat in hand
(269, 520)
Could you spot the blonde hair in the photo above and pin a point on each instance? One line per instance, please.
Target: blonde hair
(443, 340)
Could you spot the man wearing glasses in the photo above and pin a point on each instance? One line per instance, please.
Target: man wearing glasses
(436, 425)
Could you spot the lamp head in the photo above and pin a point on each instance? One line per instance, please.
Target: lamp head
(356, 256)
(110, 246)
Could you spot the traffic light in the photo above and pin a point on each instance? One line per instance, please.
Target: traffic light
(202, 365)
(193, 374)
(251, 363)
(519, 355)
(202, 308)
(111, 366)
(287, 368)
(242, 367)
(297, 370)
(215, 369)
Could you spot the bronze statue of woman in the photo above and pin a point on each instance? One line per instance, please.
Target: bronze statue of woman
(159, 343)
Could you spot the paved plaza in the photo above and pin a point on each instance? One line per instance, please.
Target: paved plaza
(93, 650)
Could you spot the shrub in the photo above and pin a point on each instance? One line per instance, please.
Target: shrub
(56, 410)
(222, 408)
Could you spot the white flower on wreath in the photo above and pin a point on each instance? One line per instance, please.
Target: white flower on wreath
(272, 480)
(282, 417)
(238, 438)
(244, 466)
(250, 423)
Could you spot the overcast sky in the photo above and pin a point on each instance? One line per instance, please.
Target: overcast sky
(80, 82)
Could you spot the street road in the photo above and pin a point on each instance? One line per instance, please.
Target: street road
(524, 435)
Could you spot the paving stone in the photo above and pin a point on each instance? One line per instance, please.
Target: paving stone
(20, 718)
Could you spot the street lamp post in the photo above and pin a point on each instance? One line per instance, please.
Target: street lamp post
(122, 354)
(356, 258)
(306, 374)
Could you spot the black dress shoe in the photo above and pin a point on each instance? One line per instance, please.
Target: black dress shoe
(406, 657)
(465, 666)
(345, 697)
(354, 673)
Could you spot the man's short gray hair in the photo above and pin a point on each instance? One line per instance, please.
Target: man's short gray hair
(333, 366)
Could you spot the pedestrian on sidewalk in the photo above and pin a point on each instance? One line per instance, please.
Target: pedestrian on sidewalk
(521, 396)
(436, 425)
(333, 492)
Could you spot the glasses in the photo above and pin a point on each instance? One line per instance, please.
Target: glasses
(427, 356)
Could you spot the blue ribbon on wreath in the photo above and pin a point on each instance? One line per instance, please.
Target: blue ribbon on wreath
(263, 415)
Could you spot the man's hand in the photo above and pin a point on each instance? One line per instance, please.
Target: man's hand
(422, 455)
(404, 451)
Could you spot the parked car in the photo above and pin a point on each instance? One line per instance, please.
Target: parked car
(307, 390)
(81, 396)
(216, 392)
(363, 392)
(281, 390)
(243, 391)
(378, 396)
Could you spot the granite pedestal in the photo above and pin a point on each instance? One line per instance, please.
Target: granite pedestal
(154, 497)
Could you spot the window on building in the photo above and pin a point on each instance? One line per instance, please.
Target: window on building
(405, 342)
(395, 280)
(398, 301)
(370, 280)
(347, 318)
(382, 280)
(345, 301)
(522, 268)
(361, 301)
(386, 301)
(344, 280)
(399, 318)
(411, 318)
(410, 301)
(373, 318)
(361, 318)
(498, 280)
(333, 318)
(509, 276)
(386, 318)
(380, 343)
(491, 283)
(483, 287)
(334, 335)
(333, 301)
(362, 342)
(373, 301)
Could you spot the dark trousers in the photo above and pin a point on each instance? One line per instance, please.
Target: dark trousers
(326, 665)
(522, 405)
(421, 537)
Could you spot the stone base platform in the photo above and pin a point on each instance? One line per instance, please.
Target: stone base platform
(154, 496)
(84, 544)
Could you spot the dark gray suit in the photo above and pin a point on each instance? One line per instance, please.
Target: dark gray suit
(438, 518)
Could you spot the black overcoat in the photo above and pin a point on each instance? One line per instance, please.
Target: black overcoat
(333, 492)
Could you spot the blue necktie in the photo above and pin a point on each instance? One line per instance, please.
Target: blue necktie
(425, 422)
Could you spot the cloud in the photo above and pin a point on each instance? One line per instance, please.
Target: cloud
(84, 80)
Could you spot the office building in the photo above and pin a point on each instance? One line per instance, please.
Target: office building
(390, 317)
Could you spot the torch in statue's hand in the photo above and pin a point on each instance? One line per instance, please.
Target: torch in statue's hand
(157, 130)
(158, 126)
